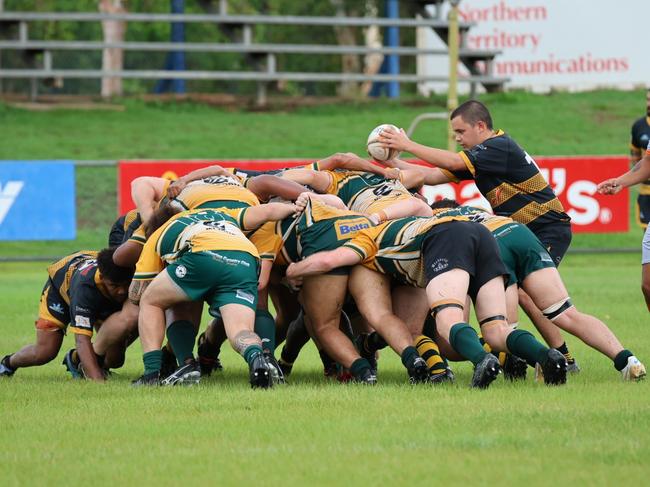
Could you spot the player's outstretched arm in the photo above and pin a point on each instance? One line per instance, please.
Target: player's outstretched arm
(146, 191)
(322, 262)
(431, 175)
(256, 216)
(437, 157)
(318, 180)
(88, 358)
(205, 172)
(401, 209)
(350, 162)
(639, 173)
(265, 186)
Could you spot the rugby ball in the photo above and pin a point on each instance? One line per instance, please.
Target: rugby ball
(375, 149)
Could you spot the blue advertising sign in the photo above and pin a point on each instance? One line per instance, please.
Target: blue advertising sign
(37, 200)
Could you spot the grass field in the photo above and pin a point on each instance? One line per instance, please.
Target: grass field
(55, 431)
(594, 431)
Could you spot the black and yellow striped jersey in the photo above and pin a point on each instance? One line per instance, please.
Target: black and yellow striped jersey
(510, 180)
(640, 142)
(394, 247)
(193, 231)
(365, 192)
(479, 215)
(78, 281)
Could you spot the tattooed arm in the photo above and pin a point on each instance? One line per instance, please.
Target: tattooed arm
(136, 290)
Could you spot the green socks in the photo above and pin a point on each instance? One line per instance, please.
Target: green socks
(265, 329)
(251, 352)
(181, 335)
(152, 361)
(409, 354)
(464, 339)
(359, 366)
(523, 344)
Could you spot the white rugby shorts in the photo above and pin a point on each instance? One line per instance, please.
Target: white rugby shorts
(645, 247)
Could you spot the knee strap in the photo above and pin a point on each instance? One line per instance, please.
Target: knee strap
(557, 309)
(491, 319)
(445, 303)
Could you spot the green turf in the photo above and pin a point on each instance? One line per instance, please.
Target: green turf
(594, 431)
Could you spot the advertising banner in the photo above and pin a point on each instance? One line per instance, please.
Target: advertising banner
(548, 44)
(574, 180)
(37, 200)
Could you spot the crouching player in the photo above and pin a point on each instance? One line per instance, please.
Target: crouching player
(82, 290)
(208, 258)
(451, 258)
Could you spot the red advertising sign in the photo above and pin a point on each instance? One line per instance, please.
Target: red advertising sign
(574, 180)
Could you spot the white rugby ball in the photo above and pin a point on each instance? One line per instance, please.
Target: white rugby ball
(375, 149)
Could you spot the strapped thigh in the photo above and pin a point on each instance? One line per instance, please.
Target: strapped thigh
(492, 319)
(445, 303)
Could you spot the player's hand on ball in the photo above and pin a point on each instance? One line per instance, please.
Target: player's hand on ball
(394, 139)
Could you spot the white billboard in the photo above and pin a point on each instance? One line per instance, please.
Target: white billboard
(545, 44)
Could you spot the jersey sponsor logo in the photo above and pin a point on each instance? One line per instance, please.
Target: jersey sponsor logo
(56, 307)
(544, 257)
(245, 296)
(82, 322)
(181, 271)
(439, 265)
(349, 228)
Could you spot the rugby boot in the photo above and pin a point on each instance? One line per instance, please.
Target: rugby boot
(554, 368)
(361, 343)
(208, 355)
(188, 374)
(367, 377)
(285, 367)
(277, 376)
(169, 363)
(486, 371)
(72, 367)
(440, 378)
(572, 366)
(260, 372)
(418, 371)
(150, 379)
(514, 368)
(5, 369)
(634, 370)
(343, 375)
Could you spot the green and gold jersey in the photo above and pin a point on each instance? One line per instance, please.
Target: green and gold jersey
(268, 241)
(365, 192)
(510, 180)
(394, 247)
(216, 192)
(479, 215)
(193, 231)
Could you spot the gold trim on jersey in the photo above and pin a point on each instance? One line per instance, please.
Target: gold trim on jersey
(450, 175)
(534, 210)
(506, 190)
(468, 163)
(644, 189)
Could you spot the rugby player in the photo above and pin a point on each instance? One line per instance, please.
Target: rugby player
(82, 290)
(508, 177)
(208, 258)
(322, 228)
(450, 258)
(640, 137)
(531, 268)
(639, 173)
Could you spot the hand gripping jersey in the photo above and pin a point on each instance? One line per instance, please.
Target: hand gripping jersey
(193, 231)
(77, 280)
(366, 192)
(394, 247)
(268, 241)
(510, 180)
